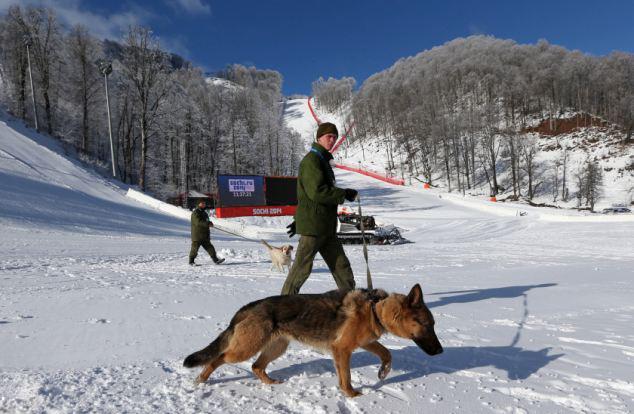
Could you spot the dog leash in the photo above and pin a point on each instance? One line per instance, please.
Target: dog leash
(233, 234)
(365, 246)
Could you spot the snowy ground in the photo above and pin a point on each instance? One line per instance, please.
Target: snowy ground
(297, 117)
(98, 307)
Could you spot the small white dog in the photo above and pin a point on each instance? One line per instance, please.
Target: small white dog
(280, 256)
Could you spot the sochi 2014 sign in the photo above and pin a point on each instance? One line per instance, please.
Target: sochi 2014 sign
(255, 195)
(240, 190)
(242, 211)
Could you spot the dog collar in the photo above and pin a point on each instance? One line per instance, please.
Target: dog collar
(376, 316)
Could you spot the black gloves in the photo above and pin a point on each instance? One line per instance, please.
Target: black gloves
(291, 229)
(351, 194)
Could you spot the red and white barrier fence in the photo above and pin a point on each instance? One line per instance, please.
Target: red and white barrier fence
(395, 181)
(372, 174)
(342, 139)
(310, 107)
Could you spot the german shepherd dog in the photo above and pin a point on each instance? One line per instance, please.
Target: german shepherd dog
(336, 321)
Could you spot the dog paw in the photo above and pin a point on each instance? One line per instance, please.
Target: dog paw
(263, 376)
(384, 370)
(198, 381)
(353, 393)
(269, 381)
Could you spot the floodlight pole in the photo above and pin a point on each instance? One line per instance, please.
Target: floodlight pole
(105, 68)
(28, 42)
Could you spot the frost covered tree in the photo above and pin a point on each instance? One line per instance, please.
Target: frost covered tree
(84, 79)
(590, 183)
(528, 152)
(14, 61)
(467, 98)
(173, 129)
(331, 93)
(39, 25)
(144, 69)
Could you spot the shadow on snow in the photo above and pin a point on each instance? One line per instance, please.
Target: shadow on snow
(410, 363)
(474, 295)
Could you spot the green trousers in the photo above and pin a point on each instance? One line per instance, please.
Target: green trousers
(206, 244)
(331, 250)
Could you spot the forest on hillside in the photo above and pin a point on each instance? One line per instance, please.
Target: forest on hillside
(460, 112)
(173, 129)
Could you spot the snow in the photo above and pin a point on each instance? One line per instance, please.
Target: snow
(98, 306)
(297, 117)
(223, 83)
(238, 227)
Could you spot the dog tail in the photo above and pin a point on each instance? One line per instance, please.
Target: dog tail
(211, 352)
(268, 246)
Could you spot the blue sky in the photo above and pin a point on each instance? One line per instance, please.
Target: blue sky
(304, 40)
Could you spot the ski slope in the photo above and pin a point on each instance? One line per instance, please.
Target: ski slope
(98, 306)
(40, 187)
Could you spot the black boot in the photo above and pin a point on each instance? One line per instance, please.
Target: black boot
(218, 261)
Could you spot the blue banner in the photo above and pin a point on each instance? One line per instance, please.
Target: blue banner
(241, 190)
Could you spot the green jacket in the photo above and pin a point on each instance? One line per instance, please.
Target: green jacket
(317, 196)
(200, 225)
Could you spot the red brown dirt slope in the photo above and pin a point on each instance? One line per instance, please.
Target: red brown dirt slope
(554, 127)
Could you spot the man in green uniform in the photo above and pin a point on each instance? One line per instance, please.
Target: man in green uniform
(316, 216)
(200, 234)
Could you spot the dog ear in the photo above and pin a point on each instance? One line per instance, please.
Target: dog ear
(377, 295)
(415, 296)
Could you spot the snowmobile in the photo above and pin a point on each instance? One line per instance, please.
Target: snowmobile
(349, 230)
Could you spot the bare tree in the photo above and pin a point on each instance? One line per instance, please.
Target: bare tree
(528, 152)
(512, 148)
(83, 52)
(41, 26)
(14, 60)
(144, 69)
(591, 183)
